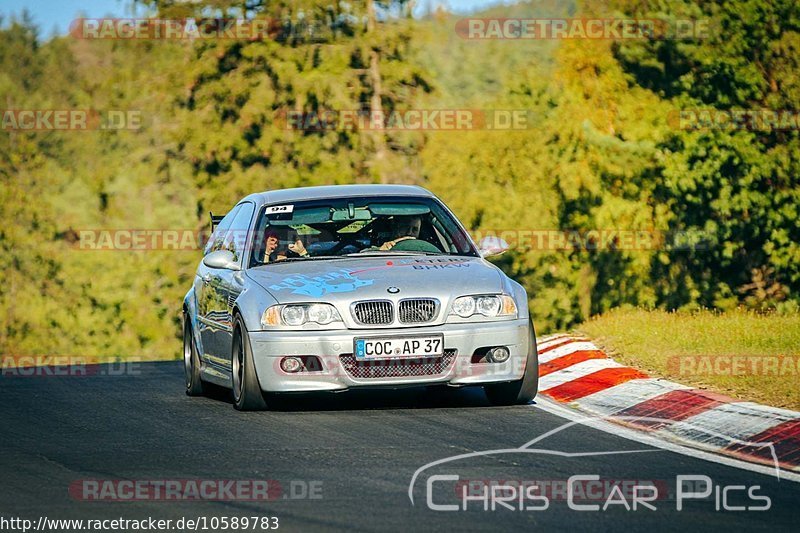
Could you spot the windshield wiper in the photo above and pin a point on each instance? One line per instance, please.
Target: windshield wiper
(373, 253)
(306, 258)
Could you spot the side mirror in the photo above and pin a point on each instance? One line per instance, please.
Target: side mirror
(223, 259)
(492, 245)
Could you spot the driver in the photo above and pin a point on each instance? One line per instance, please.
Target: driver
(404, 228)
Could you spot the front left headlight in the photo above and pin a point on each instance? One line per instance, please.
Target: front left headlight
(299, 314)
(488, 305)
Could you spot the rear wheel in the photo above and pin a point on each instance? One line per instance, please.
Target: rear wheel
(247, 394)
(191, 362)
(523, 390)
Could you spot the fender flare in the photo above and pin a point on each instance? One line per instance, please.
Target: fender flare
(190, 312)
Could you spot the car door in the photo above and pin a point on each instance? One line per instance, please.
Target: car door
(229, 282)
(210, 310)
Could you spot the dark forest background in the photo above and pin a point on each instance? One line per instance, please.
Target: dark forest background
(602, 151)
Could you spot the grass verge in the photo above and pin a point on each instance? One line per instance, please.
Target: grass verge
(750, 356)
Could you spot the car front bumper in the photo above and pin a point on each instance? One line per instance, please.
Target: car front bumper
(269, 347)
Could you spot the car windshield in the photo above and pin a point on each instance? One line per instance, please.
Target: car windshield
(355, 227)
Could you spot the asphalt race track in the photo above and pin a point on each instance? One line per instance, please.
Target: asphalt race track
(358, 451)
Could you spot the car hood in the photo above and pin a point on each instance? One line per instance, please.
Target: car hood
(348, 279)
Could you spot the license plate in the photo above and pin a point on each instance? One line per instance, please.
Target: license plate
(399, 347)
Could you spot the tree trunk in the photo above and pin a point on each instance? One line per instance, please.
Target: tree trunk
(375, 104)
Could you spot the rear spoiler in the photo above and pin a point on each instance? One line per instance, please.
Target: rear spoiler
(215, 220)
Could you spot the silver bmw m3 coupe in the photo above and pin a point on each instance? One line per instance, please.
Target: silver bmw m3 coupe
(353, 286)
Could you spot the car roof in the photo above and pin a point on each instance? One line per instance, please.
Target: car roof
(336, 191)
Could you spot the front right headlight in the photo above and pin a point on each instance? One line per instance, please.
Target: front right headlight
(299, 314)
(488, 305)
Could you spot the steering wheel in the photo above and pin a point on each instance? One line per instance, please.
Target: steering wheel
(336, 248)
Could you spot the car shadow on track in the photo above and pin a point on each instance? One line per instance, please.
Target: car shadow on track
(430, 397)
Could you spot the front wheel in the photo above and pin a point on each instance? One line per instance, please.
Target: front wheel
(523, 390)
(247, 395)
(191, 362)
(506, 393)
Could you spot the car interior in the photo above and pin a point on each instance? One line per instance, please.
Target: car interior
(326, 231)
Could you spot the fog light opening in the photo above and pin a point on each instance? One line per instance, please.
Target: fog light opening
(498, 355)
(291, 364)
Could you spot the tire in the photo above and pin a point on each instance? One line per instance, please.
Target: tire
(191, 362)
(523, 390)
(247, 394)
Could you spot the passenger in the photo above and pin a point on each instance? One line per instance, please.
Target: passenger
(271, 253)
